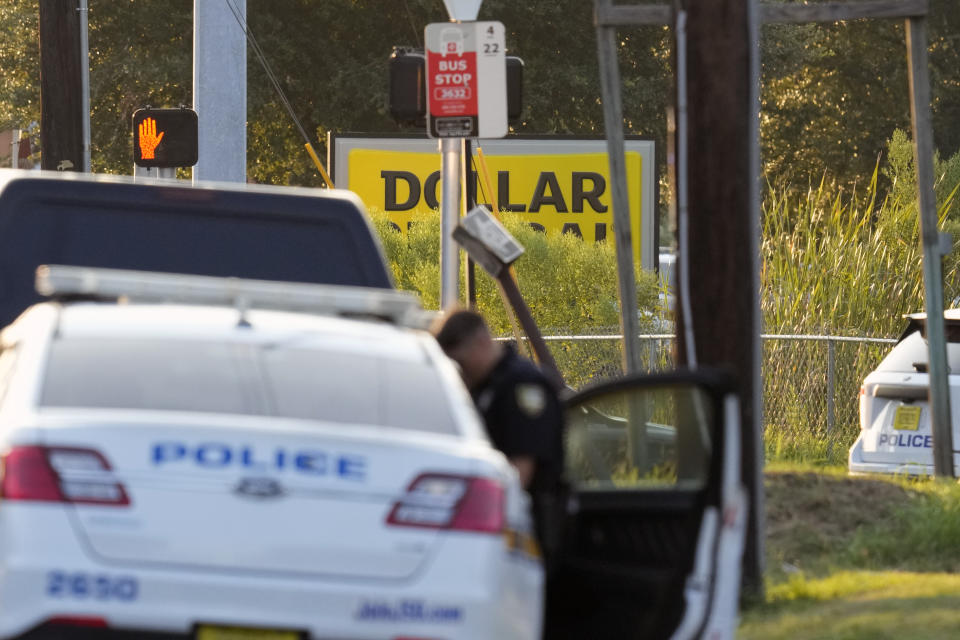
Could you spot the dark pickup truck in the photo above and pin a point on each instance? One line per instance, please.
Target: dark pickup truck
(245, 231)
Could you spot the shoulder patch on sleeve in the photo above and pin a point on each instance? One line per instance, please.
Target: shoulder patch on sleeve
(532, 399)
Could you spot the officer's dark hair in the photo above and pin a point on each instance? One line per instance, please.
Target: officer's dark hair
(457, 327)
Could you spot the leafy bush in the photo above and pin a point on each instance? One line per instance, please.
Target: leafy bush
(570, 286)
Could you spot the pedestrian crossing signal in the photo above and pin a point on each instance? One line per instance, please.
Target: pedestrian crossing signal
(165, 138)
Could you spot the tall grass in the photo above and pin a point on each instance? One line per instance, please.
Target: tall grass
(839, 262)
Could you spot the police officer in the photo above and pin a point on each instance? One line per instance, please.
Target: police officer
(519, 406)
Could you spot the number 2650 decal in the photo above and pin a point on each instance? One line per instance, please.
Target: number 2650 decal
(62, 584)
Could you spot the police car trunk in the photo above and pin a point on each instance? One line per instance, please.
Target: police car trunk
(260, 441)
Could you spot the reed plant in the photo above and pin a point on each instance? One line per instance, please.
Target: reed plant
(836, 263)
(849, 262)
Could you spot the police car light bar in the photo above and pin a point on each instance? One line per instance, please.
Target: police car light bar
(398, 307)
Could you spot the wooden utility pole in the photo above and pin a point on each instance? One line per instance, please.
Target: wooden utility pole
(61, 97)
(722, 228)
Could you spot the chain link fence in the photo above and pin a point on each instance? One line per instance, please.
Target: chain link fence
(811, 390)
(810, 384)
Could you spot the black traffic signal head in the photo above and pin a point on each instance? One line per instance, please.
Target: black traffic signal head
(514, 88)
(408, 87)
(408, 97)
(165, 138)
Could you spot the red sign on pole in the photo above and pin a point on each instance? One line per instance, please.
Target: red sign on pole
(466, 80)
(454, 87)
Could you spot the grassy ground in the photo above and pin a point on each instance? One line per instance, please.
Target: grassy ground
(858, 558)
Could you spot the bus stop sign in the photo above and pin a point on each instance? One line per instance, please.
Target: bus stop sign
(466, 80)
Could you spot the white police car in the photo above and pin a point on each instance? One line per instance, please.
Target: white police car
(212, 467)
(219, 470)
(895, 434)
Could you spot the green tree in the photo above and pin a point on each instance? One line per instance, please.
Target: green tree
(140, 54)
(833, 93)
(901, 172)
(331, 59)
(20, 61)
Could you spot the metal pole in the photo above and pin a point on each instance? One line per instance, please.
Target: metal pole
(613, 124)
(449, 217)
(220, 89)
(15, 150)
(469, 202)
(85, 84)
(754, 561)
(148, 174)
(831, 373)
(933, 248)
(547, 363)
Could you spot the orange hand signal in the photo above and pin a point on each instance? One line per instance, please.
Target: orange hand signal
(149, 138)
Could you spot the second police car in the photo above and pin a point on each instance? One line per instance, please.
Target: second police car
(895, 434)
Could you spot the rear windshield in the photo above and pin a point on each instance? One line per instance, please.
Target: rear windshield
(221, 377)
(910, 355)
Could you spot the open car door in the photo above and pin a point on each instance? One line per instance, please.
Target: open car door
(655, 522)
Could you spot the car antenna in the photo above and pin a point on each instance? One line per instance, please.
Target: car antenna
(242, 305)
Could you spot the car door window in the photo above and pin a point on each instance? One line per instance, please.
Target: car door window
(625, 439)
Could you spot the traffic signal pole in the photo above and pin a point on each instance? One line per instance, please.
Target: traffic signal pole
(220, 89)
(154, 173)
(451, 139)
(449, 216)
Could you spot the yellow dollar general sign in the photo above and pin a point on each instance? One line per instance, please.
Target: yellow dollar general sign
(558, 185)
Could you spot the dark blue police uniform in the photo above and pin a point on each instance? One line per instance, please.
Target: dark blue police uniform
(524, 419)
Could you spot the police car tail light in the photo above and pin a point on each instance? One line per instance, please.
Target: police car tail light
(78, 621)
(27, 476)
(60, 474)
(461, 503)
